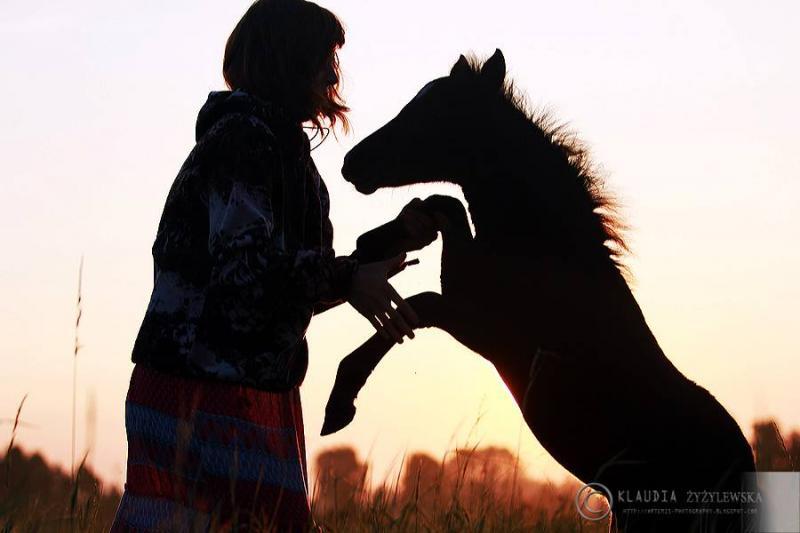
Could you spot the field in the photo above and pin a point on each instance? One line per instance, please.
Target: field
(480, 490)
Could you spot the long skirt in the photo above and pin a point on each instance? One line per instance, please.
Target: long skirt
(207, 456)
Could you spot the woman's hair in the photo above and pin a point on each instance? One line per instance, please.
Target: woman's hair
(277, 51)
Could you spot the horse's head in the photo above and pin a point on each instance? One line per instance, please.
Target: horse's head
(432, 138)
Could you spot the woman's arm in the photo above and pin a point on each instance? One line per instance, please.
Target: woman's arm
(321, 307)
(412, 229)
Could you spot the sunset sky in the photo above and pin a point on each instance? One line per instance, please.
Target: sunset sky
(690, 107)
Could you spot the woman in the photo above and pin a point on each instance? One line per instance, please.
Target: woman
(243, 259)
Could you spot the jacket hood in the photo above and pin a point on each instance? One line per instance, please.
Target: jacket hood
(221, 103)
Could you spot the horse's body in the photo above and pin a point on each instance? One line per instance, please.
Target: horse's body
(548, 306)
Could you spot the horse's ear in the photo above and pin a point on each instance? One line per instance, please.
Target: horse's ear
(493, 72)
(461, 67)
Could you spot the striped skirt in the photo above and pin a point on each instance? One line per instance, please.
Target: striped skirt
(205, 456)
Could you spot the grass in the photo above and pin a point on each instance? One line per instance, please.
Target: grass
(476, 490)
(479, 490)
(467, 490)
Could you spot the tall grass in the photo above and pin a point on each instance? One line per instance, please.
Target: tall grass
(75, 348)
(467, 490)
(464, 495)
(472, 490)
(13, 438)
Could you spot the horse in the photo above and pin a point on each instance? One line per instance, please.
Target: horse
(541, 291)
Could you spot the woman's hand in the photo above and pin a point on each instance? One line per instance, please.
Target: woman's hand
(421, 228)
(372, 296)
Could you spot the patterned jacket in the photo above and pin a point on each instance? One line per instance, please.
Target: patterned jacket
(243, 252)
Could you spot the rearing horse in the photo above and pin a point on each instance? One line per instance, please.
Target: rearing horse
(539, 292)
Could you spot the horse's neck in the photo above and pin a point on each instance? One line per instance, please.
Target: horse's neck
(507, 218)
(501, 200)
(629, 344)
(501, 211)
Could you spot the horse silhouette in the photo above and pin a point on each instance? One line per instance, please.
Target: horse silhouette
(541, 293)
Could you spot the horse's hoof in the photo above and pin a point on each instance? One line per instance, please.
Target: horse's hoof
(337, 418)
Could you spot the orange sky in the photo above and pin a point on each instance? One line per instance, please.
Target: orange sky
(690, 107)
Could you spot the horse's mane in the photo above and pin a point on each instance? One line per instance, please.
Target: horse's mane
(603, 207)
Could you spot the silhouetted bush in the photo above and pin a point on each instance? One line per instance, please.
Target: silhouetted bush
(37, 496)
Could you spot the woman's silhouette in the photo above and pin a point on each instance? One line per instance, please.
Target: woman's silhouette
(243, 260)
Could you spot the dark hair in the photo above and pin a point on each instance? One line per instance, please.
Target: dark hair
(276, 52)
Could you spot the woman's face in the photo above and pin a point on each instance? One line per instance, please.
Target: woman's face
(326, 77)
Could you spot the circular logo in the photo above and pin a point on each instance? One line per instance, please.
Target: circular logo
(589, 500)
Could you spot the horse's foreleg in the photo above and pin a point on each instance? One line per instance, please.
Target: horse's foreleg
(354, 370)
(433, 309)
(351, 376)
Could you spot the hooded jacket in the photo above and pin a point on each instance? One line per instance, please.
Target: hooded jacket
(243, 253)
